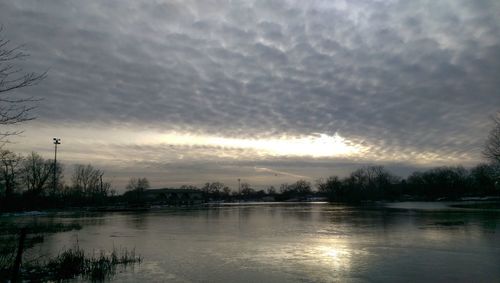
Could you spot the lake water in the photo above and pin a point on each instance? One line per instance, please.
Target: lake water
(401, 242)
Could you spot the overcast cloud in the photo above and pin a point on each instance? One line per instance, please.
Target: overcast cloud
(409, 83)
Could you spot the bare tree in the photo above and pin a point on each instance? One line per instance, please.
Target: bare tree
(138, 185)
(492, 147)
(271, 190)
(88, 180)
(35, 173)
(9, 171)
(215, 190)
(226, 191)
(14, 109)
(246, 189)
(331, 187)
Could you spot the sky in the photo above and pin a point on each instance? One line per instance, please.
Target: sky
(187, 92)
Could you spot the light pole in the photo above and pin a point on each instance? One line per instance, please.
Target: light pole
(56, 142)
(239, 189)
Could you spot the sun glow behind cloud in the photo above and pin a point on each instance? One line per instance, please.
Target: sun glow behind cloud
(89, 144)
(320, 145)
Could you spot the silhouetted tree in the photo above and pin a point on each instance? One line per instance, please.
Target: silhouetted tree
(285, 192)
(245, 187)
(299, 190)
(87, 181)
(14, 109)
(138, 185)
(284, 188)
(213, 191)
(9, 171)
(246, 190)
(216, 188)
(35, 173)
(226, 192)
(440, 182)
(331, 188)
(206, 191)
(369, 183)
(302, 187)
(492, 148)
(485, 178)
(271, 190)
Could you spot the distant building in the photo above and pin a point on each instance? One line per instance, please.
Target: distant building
(173, 196)
(268, 198)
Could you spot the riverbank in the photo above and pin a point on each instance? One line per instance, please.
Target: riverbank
(18, 238)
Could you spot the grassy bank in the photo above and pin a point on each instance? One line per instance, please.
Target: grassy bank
(70, 263)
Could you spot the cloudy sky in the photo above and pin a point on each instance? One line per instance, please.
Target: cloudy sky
(185, 92)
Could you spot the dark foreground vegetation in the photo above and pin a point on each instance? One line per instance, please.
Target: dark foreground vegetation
(70, 263)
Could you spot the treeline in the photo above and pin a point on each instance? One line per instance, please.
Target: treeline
(28, 182)
(377, 183)
(373, 183)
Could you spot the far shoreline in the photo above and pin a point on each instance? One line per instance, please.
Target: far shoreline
(491, 203)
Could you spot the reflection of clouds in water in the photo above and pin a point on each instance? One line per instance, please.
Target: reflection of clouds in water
(282, 243)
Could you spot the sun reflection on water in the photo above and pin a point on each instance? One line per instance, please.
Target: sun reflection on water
(324, 260)
(338, 256)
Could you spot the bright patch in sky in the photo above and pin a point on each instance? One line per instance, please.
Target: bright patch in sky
(319, 145)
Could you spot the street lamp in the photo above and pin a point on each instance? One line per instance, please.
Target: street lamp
(56, 142)
(239, 189)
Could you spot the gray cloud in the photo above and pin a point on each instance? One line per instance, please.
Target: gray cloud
(397, 76)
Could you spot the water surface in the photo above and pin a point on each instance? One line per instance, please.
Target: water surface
(406, 242)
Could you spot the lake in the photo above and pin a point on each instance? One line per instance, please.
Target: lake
(293, 242)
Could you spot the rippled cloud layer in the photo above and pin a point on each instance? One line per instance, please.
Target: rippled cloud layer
(285, 83)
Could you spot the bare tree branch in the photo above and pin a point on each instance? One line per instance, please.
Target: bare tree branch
(492, 148)
(14, 109)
